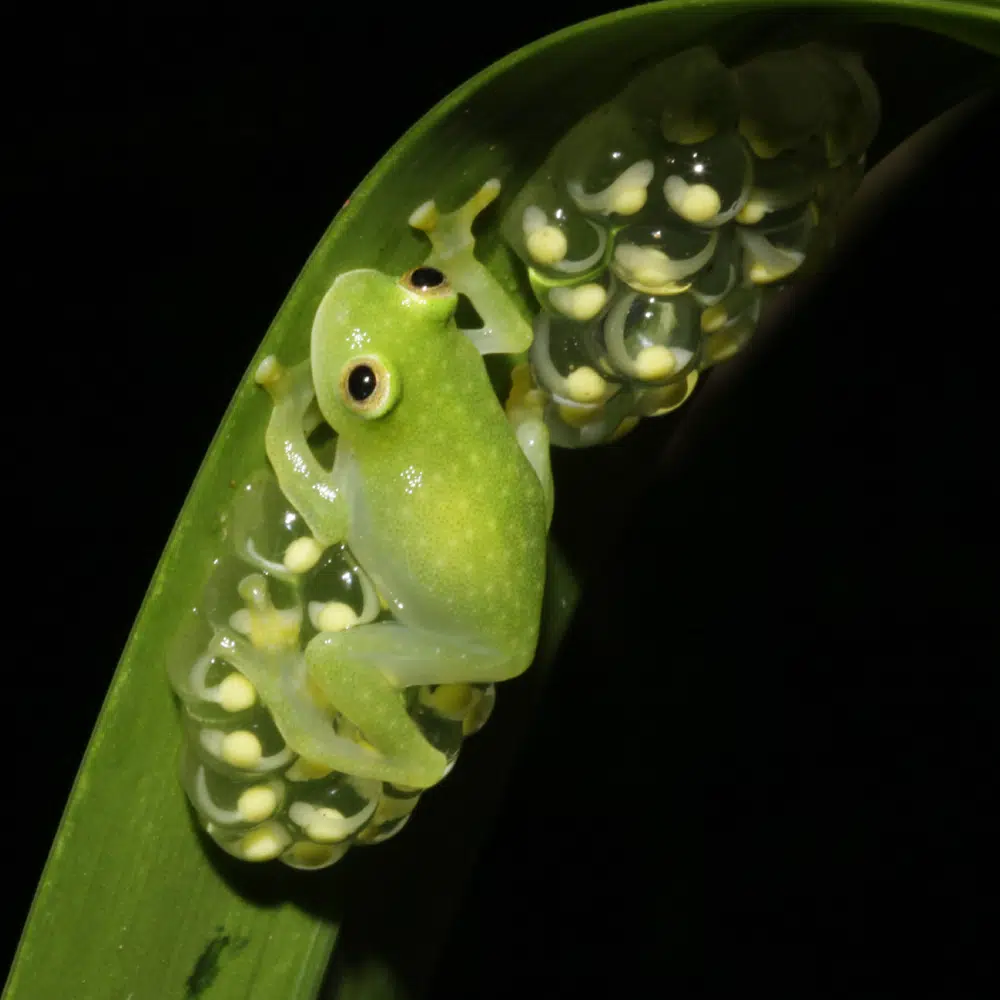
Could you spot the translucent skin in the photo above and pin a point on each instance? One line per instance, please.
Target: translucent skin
(445, 511)
(443, 501)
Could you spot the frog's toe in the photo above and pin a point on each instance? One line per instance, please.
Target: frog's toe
(269, 373)
(425, 217)
(452, 231)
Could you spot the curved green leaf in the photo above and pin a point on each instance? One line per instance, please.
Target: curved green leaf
(138, 905)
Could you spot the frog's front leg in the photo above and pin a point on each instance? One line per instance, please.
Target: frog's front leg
(362, 673)
(504, 330)
(311, 490)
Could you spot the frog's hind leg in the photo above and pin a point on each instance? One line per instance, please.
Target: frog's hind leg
(362, 673)
(533, 437)
(525, 409)
(504, 330)
(281, 681)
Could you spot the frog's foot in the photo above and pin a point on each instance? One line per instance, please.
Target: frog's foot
(282, 383)
(361, 673)
(306, 725)
(504, 330)
(525, 410)
(273, 376)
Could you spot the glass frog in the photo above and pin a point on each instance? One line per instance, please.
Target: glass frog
(443, 498)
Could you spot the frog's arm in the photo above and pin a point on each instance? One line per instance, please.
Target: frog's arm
(504, 330)
(312, 491)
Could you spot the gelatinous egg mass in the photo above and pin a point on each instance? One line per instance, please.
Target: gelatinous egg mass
(272, 590)
(656, 226)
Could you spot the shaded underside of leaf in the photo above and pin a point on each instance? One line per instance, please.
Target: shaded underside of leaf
(132, 901)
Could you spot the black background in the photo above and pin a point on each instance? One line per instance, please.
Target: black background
(806, 801)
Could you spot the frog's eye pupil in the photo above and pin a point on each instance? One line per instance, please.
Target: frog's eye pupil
(361, 383)
(426, 277)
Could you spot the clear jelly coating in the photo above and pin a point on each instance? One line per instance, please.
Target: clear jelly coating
(657, 226)
(269, 592)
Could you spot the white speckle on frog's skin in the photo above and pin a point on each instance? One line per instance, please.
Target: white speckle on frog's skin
(359, 340)
(413, 479)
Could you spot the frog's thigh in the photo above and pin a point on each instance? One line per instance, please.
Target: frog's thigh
(533, 437)
(402, 657)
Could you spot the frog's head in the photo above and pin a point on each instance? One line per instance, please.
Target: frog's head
(376, 338)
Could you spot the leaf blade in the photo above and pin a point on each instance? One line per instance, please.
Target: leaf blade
(135, 742)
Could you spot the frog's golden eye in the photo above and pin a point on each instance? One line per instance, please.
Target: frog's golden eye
(426, 281)
(368, 387)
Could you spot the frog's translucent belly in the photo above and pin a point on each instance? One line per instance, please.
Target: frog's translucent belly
(459, 572)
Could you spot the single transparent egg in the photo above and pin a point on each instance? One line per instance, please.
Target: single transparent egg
(691, 95)
(562, 361)
(187, 647)
(339, 594)
(855, 106)
(228, 803)
(393, 813)
(837, 186)
(784, 99)
(550, 234)
(708, 183)
(241, 748)
(582, 301)
(773, 253)
(332, 809)
(443, 733)
(606, 163)
(729, 324)
(307, 855)
(723, 273)
(662, 259)
(651, 340)
(262, 529)
(783, 184)
(481, 710)
(216, 693)
(265, 842)
(661, 400)
(573, 425)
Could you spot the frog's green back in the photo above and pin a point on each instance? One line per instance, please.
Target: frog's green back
(439, 475)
